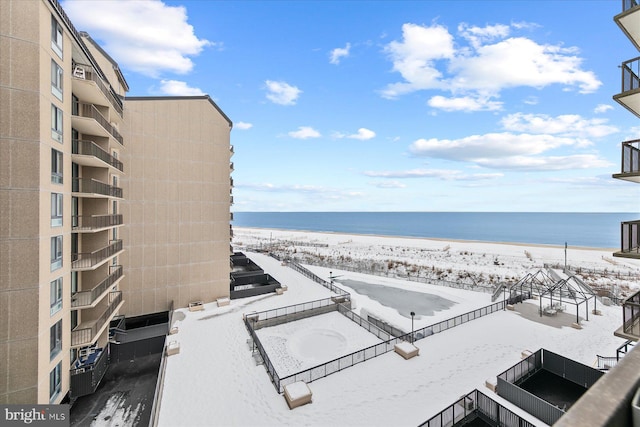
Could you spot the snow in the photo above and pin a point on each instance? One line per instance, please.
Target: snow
(297, 390)
(407, 347)
(215, 380)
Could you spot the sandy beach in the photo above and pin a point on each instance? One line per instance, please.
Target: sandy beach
(479, 264)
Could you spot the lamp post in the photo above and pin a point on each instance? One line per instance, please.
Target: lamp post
(412, 337)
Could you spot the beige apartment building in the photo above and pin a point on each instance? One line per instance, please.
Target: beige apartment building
(108, 206)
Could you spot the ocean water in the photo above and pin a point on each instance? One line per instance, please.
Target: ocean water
(597, 230)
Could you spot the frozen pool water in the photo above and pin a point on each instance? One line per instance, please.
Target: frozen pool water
(295, 346)
(403, 300)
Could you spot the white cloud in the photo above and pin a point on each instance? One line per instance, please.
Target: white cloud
(479, 35)
(491, 145)
(304, 132)
(414, 58)
(602, 108)
(443, 174)
(242, 126)
(566, 125)
(340, 52)
(465, 103)
(178, 88)
(552, 163)
(388, 184)
(148, 37)
(319, 192)
(363, 134)
(282, 93)
(428, 57)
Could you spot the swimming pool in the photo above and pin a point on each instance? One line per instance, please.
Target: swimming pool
(402, 300)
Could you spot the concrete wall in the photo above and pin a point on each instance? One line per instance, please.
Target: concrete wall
(177, 203)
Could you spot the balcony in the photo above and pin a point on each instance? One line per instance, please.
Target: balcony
(630, 168)
(90, 260)
(231, 231)
(93, 223)
(630, 328)
(88, 86)
(94, 188)
(231, 150)
(86, 299)
(629, 96)
(629, 240)
(88, 332)
(629, 21)
(87, 119)
(88, 153)
(231, 166)
(231, 199)
(87, 372)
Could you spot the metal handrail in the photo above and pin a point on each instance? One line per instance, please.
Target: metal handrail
(94, 222)
(90, 111)
(92, 186)
(91, 259)
(89, 74)
(630, 75)
(85, 298)
(90, 148)
(629, 4)
(86, 335)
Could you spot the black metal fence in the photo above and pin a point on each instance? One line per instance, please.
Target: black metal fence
(255, 321)
(568, 369)
(476, 405)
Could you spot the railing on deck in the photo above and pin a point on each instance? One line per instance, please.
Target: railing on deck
(86, 72)
(86, 335)
(92, 186)
(476, 405)
(631, 315)
(91, 259)
(90, 148)
(630, 75)
(95, 222)
(86, 298)
(90, 111)
(630, 236)
(629, 4)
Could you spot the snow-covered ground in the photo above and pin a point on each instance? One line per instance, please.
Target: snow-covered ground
(214, 379)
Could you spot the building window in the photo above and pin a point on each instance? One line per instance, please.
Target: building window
(56, 36)
(55, 382)
(56, 123)
(56, 209)
(56, 80)
(55, 334)
(56, 252)
(56, 296)
(56, 166)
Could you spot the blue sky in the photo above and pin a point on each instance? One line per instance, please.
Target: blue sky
(394, 106)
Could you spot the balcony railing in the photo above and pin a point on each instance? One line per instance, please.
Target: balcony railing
(629, 4)
(95, 222)
(84, 260)
(83, 336)
(86, 72)
(87, 298)
(91, 186)
(629, 237)
(631, 156)
(630, 75)
(90, 111)
(90, 148)
(231, 165)
(231, 230)
(631, 315)
(231, 150)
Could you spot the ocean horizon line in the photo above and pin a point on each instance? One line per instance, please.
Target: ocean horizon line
(578, 229)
